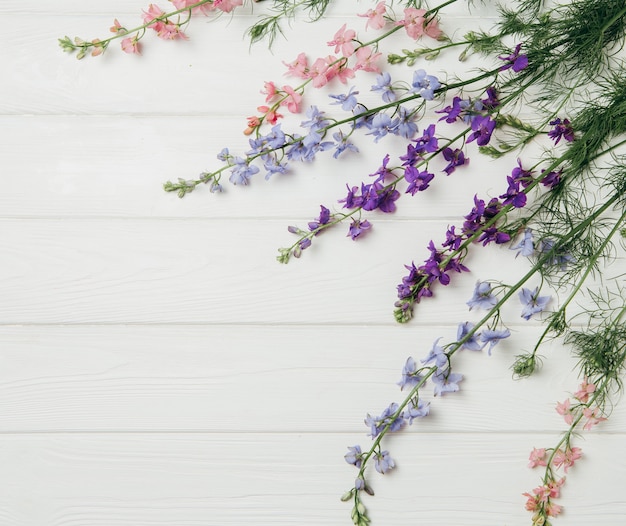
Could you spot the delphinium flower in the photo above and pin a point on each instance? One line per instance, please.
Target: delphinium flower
(541, 501)
(532, 302)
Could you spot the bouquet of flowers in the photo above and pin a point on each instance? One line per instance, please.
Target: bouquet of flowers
(552, 76)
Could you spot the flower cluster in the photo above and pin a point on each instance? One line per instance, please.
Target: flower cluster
(540, 212)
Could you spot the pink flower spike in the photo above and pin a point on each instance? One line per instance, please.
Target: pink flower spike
(293, 99)
(130, 45)
(537, 458)
(376, 17)
(343, 41)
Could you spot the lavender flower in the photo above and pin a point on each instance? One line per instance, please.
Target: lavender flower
(381, 125)
(446, 382)
(383, 85)
(425, 84)
(472, 342)
(410, 374)
(419, 410)
(383, 462)
(492, 337)
(525, 247)
(532, 302)
(482, 297)
(348, 101)
(354, 456)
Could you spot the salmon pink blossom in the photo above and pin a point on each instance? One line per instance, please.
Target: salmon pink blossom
(537, 458)
(343, 41)
(415, 24)
(376, 17)
(130, 45)
(366, 59)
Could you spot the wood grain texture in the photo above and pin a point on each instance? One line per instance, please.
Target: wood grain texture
(158, 367)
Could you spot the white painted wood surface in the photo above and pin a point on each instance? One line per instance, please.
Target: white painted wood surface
(158, 367)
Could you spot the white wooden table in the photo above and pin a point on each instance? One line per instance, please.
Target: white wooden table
(159, 367)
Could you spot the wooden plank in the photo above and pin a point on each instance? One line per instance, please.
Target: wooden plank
(120, 378)
(115, 166)
(216, 479)
(222, 271)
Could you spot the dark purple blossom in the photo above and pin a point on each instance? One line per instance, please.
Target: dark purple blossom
(482, 128)
(455, 158)
(492, 101)
(418, 181)
(453, 240)
(358, 228)
(562, 130)
(383, 172)
(551, 179)
(491, 235)
(514, 196)
(323, 219)
(515, 60)
(521, 175)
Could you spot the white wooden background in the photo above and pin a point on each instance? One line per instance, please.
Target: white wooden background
(159, 367)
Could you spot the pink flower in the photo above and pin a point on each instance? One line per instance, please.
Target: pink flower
(292, 100)
(227, 5)
(152, 13)
(321, 71)
(552, 510)
(593, 417)
(554, 487)
(299, 67)
(117, 27)
(170, 31)
(204, 9)
(537, 458)
(130, 45)
(563, 408)
(269, 90)
(366, 59)
(270, 115)
(376, 16)
(415, 24)
(343, 41)
(585, 390)
(567, 458)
